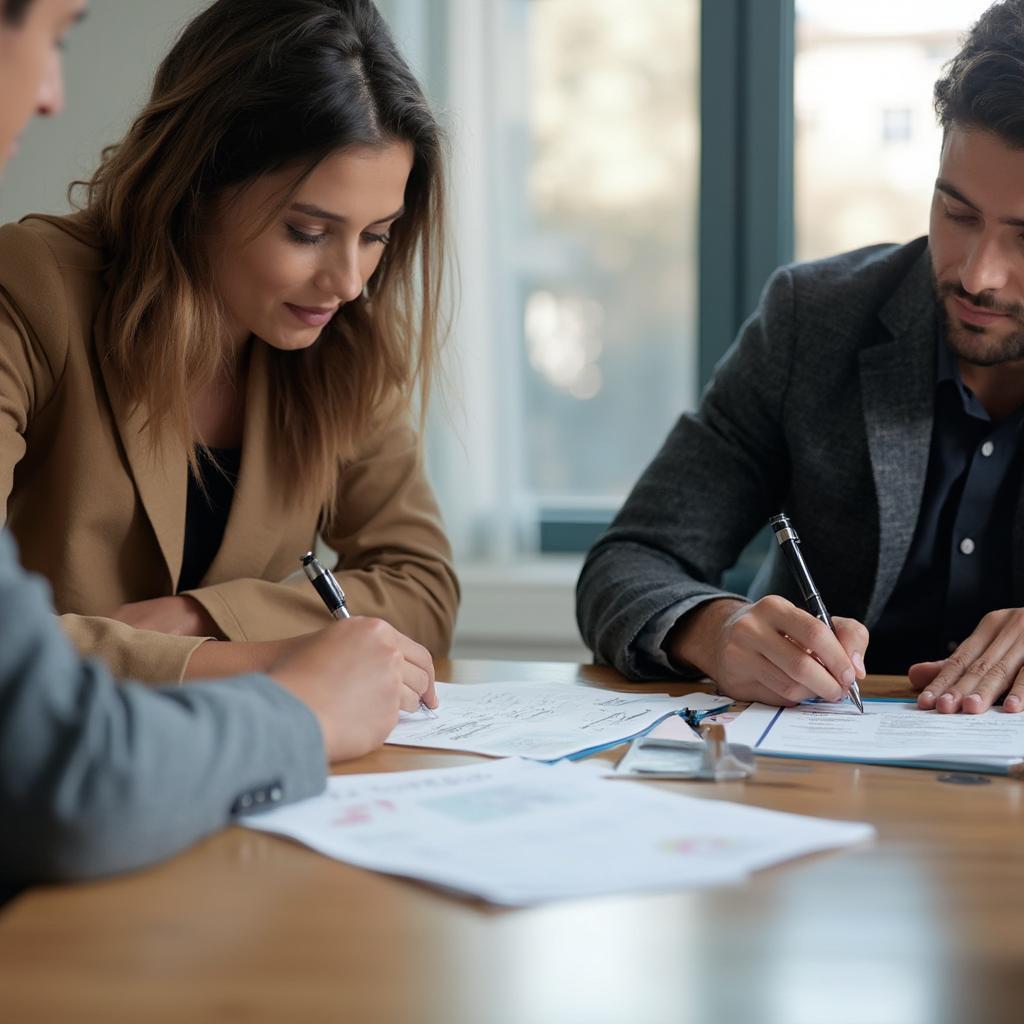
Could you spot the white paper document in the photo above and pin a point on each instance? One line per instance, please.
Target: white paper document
(889, 732)
(517, 832)
(542, 721)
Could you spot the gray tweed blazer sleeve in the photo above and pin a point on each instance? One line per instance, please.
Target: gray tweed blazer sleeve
(720, 474)
(98, 777)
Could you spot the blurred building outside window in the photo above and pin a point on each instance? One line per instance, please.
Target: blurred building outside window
(574, 126)
(867, 142)
(602, 138)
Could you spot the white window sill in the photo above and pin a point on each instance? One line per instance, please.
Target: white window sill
(520, 610)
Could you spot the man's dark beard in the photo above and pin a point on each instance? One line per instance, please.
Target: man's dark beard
(967, 341)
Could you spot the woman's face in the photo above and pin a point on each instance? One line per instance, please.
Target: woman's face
(285, 284)
(30, 67)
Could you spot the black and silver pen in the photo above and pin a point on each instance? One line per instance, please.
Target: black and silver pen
(333, 596)
(790, 544)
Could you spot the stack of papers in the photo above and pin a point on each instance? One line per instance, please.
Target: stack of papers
(517, 832)
(542, 721)
(889, 732)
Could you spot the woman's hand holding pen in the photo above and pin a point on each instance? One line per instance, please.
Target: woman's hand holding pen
(355, 675)
(770, 651)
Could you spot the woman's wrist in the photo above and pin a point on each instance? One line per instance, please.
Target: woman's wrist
(199, 621)
(215, 659)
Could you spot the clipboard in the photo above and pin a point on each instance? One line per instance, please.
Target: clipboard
(710, 758)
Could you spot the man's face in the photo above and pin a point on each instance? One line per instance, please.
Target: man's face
(976, 237)
(30, 75)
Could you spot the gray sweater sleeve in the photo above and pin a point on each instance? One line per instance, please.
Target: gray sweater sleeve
(98, 777)
(711, 487)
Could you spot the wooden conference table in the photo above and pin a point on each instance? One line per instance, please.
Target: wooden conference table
(925, 925)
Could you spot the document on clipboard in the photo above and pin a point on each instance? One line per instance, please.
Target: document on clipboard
(890, 732)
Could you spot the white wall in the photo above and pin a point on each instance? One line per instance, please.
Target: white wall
(109, 65)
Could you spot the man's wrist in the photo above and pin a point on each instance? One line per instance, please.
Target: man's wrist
(691, 643)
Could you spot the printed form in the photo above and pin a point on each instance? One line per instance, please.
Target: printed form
(517, 832)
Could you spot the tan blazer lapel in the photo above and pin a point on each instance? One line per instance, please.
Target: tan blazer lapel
(160, 472)
(256, 522)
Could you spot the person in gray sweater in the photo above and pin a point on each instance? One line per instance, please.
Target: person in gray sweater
(99, 776)
(877, 398)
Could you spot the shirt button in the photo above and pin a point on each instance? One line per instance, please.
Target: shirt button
(246, 800)
(967, 546)
(987, 449)
(276, 793)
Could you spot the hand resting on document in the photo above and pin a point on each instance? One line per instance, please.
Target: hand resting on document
(988, 665)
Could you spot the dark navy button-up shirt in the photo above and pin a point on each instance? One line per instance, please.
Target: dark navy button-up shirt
(959, 563)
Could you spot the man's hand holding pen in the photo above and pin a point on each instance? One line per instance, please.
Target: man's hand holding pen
(770, 650)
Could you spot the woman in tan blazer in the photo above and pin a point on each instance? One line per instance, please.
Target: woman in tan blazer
(215, 359)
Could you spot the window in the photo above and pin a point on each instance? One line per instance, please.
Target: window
(576, 150)
(591, 136)
(601, 160)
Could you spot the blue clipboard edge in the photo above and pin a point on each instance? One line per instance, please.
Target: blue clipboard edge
(1013, 769)
(689, 715)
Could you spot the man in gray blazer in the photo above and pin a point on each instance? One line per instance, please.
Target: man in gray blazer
(878, 398)
(97, 776)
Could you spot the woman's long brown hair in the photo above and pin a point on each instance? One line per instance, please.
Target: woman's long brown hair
(252, 87)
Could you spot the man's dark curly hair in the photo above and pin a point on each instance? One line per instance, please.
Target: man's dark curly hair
(983, 85)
